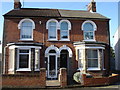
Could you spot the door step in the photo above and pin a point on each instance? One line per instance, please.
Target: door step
(52, 83)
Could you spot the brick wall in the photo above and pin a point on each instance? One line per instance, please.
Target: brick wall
(100, 80)
(40, 35)
(63, 77)
(25, 80)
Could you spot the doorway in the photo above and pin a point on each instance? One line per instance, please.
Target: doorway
(64, 59)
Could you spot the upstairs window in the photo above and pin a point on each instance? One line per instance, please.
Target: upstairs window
(89, 28)
(65, 26)
(52, 26)
(52, 32)
(26, 27)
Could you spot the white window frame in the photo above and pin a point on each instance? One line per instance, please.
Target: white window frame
(20, 27)
(57, 27)
(94, 29)
(18, 54)
(56, 68)
(94, 68)
(69, 28)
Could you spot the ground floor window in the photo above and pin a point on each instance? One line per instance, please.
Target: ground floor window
(93, 58)
(24, 58)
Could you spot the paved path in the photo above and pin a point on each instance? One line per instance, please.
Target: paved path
(52, 83)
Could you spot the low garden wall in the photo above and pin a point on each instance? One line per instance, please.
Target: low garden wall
(25, 80)
(100, 80)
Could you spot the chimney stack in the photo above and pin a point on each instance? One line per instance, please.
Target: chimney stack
(17, 4)
(92, 6)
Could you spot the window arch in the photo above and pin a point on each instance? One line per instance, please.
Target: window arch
(65, 26)
(52, 26)
(89, 28)
(26, 27)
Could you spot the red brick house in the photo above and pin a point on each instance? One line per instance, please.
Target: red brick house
(54, 38)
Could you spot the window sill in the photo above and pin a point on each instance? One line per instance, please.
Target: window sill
(64, 40)
(89, 40)
(93, 69)
(52, 40)
(37, 69)
(23, 70)
(90, 69)
(26, 39)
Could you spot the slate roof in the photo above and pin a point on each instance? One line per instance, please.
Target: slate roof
(35, 12)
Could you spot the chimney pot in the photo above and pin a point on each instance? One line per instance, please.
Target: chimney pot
(92, 6)
(17, 4)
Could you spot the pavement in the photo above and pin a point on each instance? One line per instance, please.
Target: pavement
(115, 86)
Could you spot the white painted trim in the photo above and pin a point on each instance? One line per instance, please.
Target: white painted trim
(89, 40)
(29, 66)
(52, 20)
(52, 47)
(93, 69)
(24, 69)
(26, 19)
(69, 23)
(49, 65)
(89, 21)
(64, 40)
(64, 47)
(37, 59)
(22, 39)
(25, 47)
(94, 29)
(33, 27)
(89, 69)
(57, 27)
(89, 47)
(69, 28)
(52, 39)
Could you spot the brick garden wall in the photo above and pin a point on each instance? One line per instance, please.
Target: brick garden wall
(25, 80)
(100, 80)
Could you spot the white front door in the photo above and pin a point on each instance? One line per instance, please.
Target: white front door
(52, 66)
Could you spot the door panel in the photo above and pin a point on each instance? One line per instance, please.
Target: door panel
(52, 66)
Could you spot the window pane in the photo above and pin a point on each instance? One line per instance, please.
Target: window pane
(64, 34)
(64, 26)
(24, 51)
(88, 27)
(23, 61)
(92, 53)
(26, 30)
(52, 51)
(92, 63)
(88, 35)
(52, 30)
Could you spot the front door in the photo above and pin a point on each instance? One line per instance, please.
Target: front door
(52, 66)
